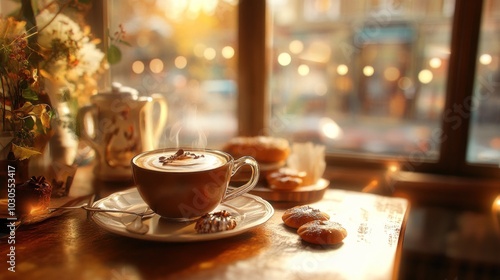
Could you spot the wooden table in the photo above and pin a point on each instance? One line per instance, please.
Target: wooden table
(71, 246)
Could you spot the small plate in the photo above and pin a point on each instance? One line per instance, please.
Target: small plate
(306, 194)
(249, 211)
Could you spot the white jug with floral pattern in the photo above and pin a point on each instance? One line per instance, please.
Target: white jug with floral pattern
(118, 125)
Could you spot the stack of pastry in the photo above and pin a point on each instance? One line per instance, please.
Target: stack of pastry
(270, 152)
(281, 167)
(305, 166)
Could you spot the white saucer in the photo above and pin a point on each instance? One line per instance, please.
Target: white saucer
(249, 210)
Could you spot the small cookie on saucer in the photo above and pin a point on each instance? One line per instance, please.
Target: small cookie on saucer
(322, 232)
(215, 222)
(299, 215)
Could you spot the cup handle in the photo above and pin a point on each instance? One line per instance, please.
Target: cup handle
(162, 119)
(245, 160)
(84, 135)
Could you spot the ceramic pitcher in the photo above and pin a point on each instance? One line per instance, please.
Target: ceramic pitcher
(118, 125)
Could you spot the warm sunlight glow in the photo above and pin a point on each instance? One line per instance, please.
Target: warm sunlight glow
(371, 187)
(393, 168)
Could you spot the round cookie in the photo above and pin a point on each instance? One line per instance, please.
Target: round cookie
(299, 215)
(322, 232)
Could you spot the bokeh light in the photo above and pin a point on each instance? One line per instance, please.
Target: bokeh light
(138, 67)
(228, 52)
(156, 65)
(180, 62)
(342, 69)
(425, 76)
(368, 71)
(303, 70)
(485, 59)
(296, 46)
(284, 59)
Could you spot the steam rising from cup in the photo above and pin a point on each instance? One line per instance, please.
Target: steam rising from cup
(187, 131)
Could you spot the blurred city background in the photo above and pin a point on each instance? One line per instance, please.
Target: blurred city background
(361, 77)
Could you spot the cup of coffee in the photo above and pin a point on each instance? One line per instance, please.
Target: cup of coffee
(184, 184)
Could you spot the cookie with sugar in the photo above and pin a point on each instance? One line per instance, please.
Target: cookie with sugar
(299, 215)
(322, 232)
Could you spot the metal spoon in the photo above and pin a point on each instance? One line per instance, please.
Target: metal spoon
(148, 211)
(136, 226)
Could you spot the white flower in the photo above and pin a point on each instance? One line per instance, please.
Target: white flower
(74, 70)
(59, 27)
(90, 58)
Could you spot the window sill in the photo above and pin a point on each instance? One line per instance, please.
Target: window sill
(419, 188)
(448, 191)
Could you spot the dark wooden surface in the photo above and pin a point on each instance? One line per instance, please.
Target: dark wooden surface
(71, 246)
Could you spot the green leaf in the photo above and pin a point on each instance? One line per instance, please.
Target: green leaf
(29, 123)
(114, 54)
(39, 126)
(29, 94)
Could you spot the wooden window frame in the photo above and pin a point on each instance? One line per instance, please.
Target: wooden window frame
(254, 110)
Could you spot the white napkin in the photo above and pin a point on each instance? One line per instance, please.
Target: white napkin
(309, 158)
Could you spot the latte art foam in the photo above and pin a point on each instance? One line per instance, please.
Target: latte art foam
(202, 161)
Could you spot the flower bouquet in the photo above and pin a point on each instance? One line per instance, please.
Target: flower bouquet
(26, 115)
(49, 66)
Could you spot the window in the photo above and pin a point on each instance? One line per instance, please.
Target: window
(374, 81)
(484, 133)
(184, 50)
(416, 112)
(366, 78)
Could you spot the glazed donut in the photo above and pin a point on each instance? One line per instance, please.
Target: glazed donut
(215, 222)
(264, 149)
(322, 232)
(299, 215)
